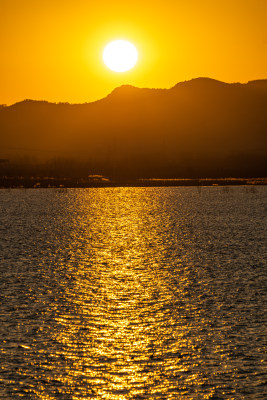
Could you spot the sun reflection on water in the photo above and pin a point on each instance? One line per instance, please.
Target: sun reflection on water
(124, 333)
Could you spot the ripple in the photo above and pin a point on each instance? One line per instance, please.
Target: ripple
(133, 293)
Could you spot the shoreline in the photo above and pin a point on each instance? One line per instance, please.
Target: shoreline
(60, 183)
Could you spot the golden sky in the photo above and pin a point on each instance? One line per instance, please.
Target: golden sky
(52, 49)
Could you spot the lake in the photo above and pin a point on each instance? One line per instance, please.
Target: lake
(133, 293)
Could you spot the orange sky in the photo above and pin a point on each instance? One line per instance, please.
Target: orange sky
(52, 49)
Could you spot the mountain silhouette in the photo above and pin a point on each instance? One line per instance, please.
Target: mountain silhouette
(198, 128)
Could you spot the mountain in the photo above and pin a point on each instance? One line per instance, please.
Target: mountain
(198, 128)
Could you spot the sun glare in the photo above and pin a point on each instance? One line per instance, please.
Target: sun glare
(120, 55)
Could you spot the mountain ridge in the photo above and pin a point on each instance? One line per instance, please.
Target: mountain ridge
(201, 127)
(131, 89)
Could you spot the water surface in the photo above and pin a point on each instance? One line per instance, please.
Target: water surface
(133, 293)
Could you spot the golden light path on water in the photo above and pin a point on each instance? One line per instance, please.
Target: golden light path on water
(128, 334)
(125, 300)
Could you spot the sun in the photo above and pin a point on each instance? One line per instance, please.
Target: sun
(120, 55)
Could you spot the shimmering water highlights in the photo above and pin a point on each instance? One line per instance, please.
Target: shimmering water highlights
(138, 293)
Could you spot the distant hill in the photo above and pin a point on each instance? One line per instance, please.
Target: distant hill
(198, 128)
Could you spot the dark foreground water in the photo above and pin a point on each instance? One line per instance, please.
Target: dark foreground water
(140, 293)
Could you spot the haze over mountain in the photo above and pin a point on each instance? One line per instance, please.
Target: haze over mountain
(198, 128)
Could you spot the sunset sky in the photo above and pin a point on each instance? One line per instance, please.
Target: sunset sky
(52, 50)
